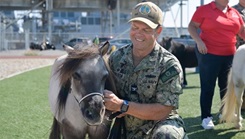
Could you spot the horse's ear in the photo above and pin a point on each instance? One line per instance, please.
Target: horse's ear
(68, 49)
(104, 48)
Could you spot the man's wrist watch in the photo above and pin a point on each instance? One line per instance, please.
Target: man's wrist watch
(124, 107)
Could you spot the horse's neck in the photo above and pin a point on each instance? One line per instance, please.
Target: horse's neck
(169, 43)
(110, 83)
(73, 113)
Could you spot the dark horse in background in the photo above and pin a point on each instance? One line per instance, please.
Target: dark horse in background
(184, 53)
(77, 82)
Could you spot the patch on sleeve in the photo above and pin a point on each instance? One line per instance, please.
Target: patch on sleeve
(169, 73)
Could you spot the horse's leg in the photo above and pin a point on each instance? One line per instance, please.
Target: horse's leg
(184, 76)
(239, 96)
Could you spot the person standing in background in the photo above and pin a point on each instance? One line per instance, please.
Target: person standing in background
(219, 25)
(96, 40)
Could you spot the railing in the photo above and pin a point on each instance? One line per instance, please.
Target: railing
(15, 41)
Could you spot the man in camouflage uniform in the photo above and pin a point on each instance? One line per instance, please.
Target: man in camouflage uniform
(240, 7)
(148, 79)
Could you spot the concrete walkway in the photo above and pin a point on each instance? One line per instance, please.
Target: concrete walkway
(14, 62)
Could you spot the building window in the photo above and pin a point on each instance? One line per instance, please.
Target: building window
(63, 14)
(71, 14)
(97, 21)
(56, 14)
(84, 20)
(90, 20)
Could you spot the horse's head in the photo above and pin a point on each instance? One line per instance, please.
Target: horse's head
(174, 47)
(84, 74)
(166, 42)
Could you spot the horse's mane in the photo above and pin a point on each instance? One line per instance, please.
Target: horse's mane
(110, 84)
(73, 60)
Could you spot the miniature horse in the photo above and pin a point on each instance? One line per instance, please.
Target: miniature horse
(185, 54)
(233, 99)
(76, 93)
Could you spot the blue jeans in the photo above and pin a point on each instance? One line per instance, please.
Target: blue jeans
(212, 67)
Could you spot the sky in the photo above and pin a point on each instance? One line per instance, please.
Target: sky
(188, 10)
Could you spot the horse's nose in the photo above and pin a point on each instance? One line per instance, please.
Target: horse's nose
(89, 113)
(92, 113)
(98, 101)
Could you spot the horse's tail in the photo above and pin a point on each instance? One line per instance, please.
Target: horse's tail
(55, 130)
(229, 101)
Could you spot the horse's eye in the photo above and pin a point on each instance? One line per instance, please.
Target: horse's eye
(76, 76)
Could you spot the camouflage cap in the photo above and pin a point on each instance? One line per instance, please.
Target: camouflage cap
(148, 13)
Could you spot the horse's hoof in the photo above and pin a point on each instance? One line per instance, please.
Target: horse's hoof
(239, 126)
(183, 85)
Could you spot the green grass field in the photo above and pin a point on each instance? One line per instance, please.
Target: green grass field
(190, 111)
(25, 112)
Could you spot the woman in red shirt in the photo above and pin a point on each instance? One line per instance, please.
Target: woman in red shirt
(219, 25)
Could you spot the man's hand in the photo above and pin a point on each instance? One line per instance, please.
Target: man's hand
(112, 102)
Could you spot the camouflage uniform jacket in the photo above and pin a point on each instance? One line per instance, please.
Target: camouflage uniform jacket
(241, 10)
(156, 79)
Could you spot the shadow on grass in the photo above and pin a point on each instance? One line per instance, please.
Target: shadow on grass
(190, 84)
(191, 87)
(191, 73)
(195, 130)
